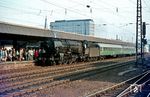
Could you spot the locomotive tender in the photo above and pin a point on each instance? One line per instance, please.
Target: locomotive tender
(65, 51)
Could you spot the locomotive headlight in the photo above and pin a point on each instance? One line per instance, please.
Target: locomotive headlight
(85, 46)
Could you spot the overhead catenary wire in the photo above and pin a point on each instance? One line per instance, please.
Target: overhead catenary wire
(72, 10)
(80, 4)
(78, 9)
(54, 11)
(115, 10)
(31, 23)
(24, 11)
(133, 2)
(146, 4)
(83, 4)
(43, 10)
(29, 10)
(38, 10)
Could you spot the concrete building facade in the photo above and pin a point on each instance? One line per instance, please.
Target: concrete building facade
(84, 26)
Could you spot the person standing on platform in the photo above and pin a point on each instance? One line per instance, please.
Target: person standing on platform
(21, 55)
(36, 54)
(5, 55)
(31, 53)
(13, 54)
(0, 54)
(26, 54)
(10, 55)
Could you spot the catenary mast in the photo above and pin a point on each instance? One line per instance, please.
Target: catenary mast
(139, 44)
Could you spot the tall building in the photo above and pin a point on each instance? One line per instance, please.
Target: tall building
(84, 26)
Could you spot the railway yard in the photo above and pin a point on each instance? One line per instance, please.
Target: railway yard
(90, 79)
(70, 48)
(69, 65)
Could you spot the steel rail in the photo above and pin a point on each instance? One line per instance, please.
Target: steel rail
(115, 87)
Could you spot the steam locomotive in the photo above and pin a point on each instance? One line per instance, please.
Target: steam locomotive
(63, 51)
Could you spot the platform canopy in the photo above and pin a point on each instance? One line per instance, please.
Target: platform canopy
(13, 29)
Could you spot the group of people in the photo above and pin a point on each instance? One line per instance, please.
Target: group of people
(21, 54)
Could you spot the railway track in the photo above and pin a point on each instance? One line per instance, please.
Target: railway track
(28, 66)
(136, 86)
(11, 70)
(59, 76)
(18, 74)
(44, 71)
(124, 89)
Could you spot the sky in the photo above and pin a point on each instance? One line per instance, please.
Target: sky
(113, 18)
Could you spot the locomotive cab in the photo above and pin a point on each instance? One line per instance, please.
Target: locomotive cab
(92, 51)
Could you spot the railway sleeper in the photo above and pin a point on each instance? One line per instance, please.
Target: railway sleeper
(33, 73)
(58, 83)
(23, 86)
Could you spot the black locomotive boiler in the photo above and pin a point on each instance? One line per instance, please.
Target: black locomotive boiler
(63, 51)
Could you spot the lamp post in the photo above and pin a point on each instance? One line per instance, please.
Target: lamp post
(88, 6)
